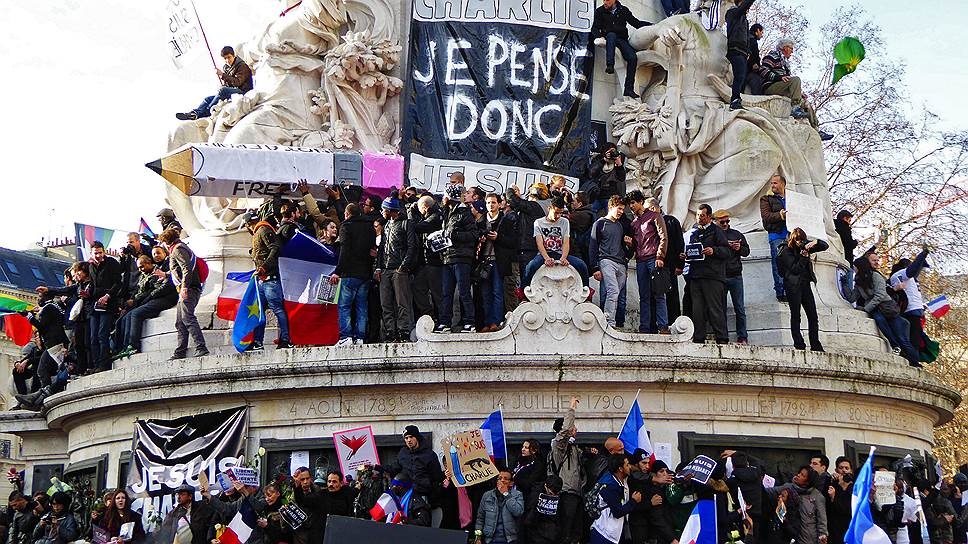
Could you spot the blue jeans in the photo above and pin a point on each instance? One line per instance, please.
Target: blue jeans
(205, 108)
(775, 246)
(99, 339)
(734, 286)
(493, 297)
(353, 293)
(612, 41)
(538, 261)
(643, 274)
(459, 275)
(133, 321)
(673, 7)
(740, 67)
(270, 292)
(898, 333)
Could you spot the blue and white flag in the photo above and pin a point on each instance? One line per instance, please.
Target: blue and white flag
(701, 526)
(862, 529)
(634, 434)
(492, 430)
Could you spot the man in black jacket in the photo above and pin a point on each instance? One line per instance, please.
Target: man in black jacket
(753, 64)
(418, 460)
(461, 230)
(338, 498)
(844, 230)
(106, 295)
(356, 238)
(154, 295)
(528, 211)
(499, 247)
(394, 264)
(309, 497)
(738, 248)
(707, 253)
(738, 48)
(427, 292)
(130, 275)
(610, 29)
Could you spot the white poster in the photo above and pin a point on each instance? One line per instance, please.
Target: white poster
(884, 488)
(298, 459)
(434, 175)
(185, 40)
(807, 212)
(355, 447)
(663, 452)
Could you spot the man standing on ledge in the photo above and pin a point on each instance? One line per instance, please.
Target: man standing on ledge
(611, 30)
(773, 213)
(236, 77)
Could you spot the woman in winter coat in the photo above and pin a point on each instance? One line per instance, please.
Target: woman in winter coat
(59, 525)
(871, 286)
(530, 469)
(119, 513)
(793, 262)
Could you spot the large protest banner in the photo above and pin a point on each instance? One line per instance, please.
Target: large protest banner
(168, 453)
(498, 83)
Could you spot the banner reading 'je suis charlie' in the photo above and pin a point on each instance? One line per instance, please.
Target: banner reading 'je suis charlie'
(498, 90)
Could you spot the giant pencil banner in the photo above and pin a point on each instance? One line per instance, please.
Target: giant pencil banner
(502, 83)
(168, 453)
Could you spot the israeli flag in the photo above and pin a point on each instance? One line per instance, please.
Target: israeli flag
(862, 529)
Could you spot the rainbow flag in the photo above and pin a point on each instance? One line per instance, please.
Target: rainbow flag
(12, 305)
(87, 235)
(145, 229)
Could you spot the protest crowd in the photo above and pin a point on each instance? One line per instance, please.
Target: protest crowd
(558, 492)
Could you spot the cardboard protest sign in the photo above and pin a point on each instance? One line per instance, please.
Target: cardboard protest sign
(807, 212)
(701, 469)
(355, 447)
(466, 458)
(340, 530)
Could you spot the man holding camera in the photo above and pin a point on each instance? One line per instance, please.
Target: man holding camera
(130, 274)
(608, 173)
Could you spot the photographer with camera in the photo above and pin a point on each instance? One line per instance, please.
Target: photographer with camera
(130, 274)
(607, 173)
(794, 264)
(57, 526)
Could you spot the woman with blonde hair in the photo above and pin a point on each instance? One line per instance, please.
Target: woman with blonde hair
(793, 262)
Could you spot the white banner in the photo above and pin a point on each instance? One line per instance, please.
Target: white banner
(807, 212)
(434, 175)
(185, 40)
(566, 14)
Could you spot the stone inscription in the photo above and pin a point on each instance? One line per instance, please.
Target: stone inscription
(551, 402)
(376, 405)
(814, 411)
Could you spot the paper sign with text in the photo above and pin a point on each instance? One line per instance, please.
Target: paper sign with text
(466, 457)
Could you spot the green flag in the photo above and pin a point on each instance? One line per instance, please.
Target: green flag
(848, 53)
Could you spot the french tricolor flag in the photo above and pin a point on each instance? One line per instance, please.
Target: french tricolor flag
(303, 262)
(701, 526)
(634, 434)
(232, 290)
(862, 529)
(386, 509)
(241, 526)
(492, 431)
(939, 306)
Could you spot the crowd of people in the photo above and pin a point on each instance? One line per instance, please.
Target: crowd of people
(464, 259)
(562, 492)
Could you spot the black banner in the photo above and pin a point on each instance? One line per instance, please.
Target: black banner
(498, 89)
(168, 453)
(340, 529)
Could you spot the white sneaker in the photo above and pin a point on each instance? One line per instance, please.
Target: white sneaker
(357, 341)
(345, 341)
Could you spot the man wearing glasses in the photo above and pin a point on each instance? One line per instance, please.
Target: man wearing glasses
(738, 248)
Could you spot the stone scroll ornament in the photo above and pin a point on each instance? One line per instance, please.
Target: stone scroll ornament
(350, 102)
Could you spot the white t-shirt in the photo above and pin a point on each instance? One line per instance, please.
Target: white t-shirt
(911, 289)
(553, 234)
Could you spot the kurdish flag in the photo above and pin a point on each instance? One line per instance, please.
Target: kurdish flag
(12, 305)
(303, 263)
(249, 317)
(939, 306)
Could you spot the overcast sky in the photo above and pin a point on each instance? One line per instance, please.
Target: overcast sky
(89, 96)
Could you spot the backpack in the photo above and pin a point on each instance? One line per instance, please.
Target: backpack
(202, 267)
(593, 502)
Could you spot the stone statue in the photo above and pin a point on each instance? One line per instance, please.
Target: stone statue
(312, 88)
(691, 148)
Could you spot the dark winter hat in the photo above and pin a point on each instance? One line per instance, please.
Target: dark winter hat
(391, 203)
(455, 191)
(559, 423)
(412, 430)
(185, 488)
(554, 483)
(658, 465)
(480, 206)
(638, 456)
(961, 479)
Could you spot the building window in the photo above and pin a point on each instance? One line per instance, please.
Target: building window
(12, 267)
(37, 273)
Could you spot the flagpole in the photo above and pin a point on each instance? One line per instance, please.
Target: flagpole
(504, 434)
(636, 399)
(207, 47)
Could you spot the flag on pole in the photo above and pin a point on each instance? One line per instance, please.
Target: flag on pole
(143, 228)
(862, 529)
(185, 40)
(249, 317)
(233, 289)
(701, 526)
(88, 234)
(303, 264)
(240, 528)
(634, 434)
(939, 306)
(493, 432)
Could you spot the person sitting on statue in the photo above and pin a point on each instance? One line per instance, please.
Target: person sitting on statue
(553, 240)
(236, 77)
(738, 48)
(610, 29)
(778, 80)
